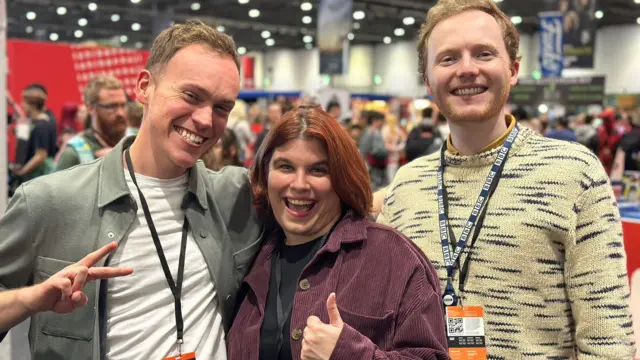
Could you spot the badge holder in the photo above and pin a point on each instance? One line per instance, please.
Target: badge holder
(181, 356)
(465, 333)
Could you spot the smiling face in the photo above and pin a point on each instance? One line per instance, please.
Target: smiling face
(469, 72)
(187, 105)
(300, 192)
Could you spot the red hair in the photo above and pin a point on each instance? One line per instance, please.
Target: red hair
(347, 170)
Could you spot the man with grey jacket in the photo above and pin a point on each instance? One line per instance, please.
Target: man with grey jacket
(188, 233)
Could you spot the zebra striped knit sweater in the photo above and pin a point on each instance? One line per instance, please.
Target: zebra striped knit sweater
(549, 263)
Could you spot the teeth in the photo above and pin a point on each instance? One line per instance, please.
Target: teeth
(472, 91)
(300, 202)
(189, 136)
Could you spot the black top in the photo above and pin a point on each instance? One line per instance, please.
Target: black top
(42, 136)
(630, 144)
(293, 260)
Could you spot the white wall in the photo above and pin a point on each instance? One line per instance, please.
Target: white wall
(615, 56)
(397, 64)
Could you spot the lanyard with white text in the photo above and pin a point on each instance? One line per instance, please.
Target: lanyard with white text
(449, 297)
(176, 287)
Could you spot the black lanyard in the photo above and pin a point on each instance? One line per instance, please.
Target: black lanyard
(475, 221)
(176, 287)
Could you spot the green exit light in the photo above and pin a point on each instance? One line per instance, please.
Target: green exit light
(536, 75)
(377, 79)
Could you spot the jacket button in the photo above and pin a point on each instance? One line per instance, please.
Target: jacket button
(296, 334)
(228, 297)
(111, 235)
(203, 234)
(304, 285)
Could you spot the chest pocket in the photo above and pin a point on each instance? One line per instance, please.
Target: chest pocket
(378, 329)
(77, 325)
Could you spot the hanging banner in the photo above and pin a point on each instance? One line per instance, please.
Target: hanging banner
(569, 92)
(551, 44)
(248, 72)
(334, 24)
(580, 26)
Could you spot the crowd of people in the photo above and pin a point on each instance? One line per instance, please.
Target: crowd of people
(305, 235)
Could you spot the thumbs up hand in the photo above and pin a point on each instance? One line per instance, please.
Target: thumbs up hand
(319, 339)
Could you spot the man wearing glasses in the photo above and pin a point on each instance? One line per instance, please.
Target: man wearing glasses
(107, 104)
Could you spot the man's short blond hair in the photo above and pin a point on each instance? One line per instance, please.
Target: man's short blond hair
(179, 36)
(100, 82)
(445, 9)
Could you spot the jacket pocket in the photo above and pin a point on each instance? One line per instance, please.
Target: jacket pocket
(244, 258)
(378, 329)
(79, 324)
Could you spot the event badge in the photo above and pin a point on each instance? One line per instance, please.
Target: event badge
(187, 356)
(465, 333)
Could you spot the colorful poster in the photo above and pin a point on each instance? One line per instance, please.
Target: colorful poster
(580, 24)
(334, 24)
(551, 44)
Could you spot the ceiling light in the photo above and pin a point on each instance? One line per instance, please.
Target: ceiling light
(82, 22)
(638, 20)
(270, 42)
(242, 50)
(115, 17)
(265, 34)
(516, 19)
(254, 13)
(399, 32)
(636, 1)
(221, 28)
(135, 1)
(309, 46)
(387, 40)
(29, 29)
(243, 1)
(61, 10)
(307, 39)
(497, 0)
(543, 109)
(599, 14)
(350, 36)
(306, 19)
(124, 39)
(31, 15)
(356, 25)
(409, 20)
(139, 45)
(78, 33)
(53, 37)
(358, 15)
(93, 7)
(195, 6)
(306, 6)
(135, 26)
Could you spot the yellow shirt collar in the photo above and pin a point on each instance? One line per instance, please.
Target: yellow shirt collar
(511, 123)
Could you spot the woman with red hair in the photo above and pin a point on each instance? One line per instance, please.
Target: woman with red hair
(327, 282)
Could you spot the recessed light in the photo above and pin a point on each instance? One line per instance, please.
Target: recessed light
(115, 17)
(516, 20)
(61, 10)
(221, 28)
(350, 36)
(139, 45)
(270, 42)
(31, 15)
(409, 20)
(78, 33)
(356, 25)
(306, 6)
(307, 39)
(82, 22)
(53, 37)
(306, 19)
(195, 6)
(358, 15)
(124, 39)
(135, 1)
(242, 50)
(543, 109)
(265, 34)
(243, 1)
(309, 46)
(254, 13)
(135, 26)
(29, 29)
(638, 20)
(497, 0)
(387, 40)
(398, 32)
(636, 1)
(93, 6)
(599, 14)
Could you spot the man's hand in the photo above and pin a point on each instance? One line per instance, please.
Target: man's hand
(319, 339)
(62, 292)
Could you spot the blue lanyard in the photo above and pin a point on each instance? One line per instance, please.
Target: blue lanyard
(478, 212)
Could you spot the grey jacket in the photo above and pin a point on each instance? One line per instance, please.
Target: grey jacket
(56, 220)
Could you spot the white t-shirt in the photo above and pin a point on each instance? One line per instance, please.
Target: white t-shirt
(141, 321)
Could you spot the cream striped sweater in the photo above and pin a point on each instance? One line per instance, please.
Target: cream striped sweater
(549, 264)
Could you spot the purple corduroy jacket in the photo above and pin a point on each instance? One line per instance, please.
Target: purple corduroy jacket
(387, 292)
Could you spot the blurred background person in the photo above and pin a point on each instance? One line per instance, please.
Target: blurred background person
(561, 130)
(134, 118)
(333, 108)
(224, 153)
(374, 149)
(274, 113)
(239, 124)
(423, 139)
(395, 140)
